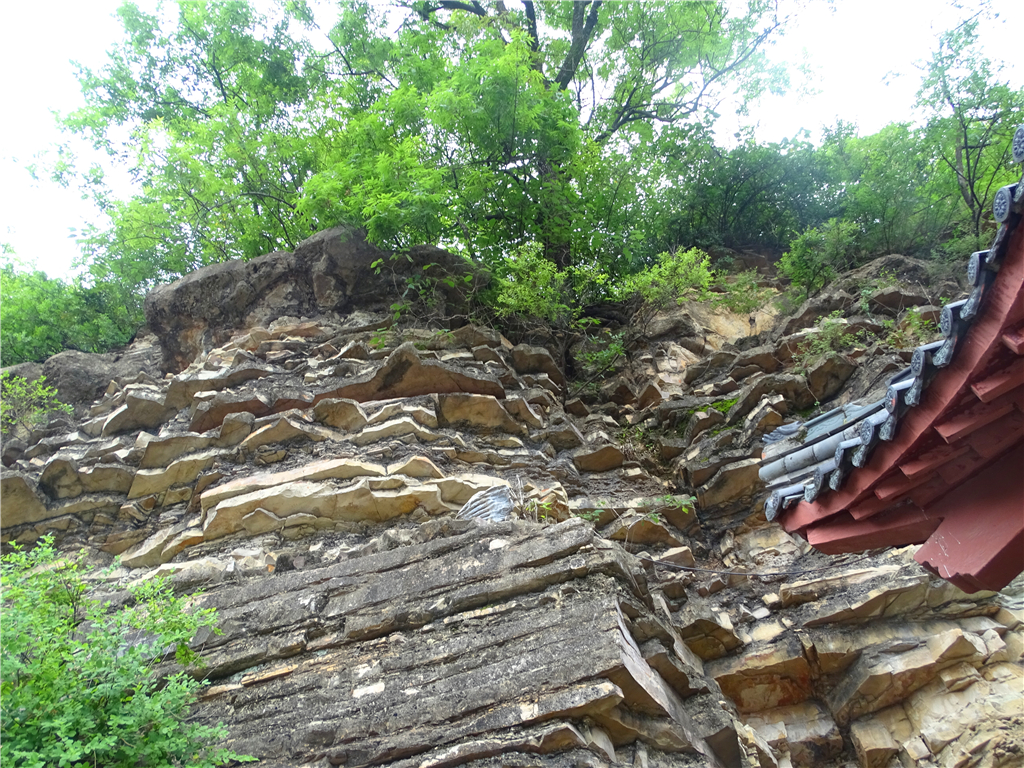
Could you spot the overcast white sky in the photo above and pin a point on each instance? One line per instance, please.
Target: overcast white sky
(865, 55)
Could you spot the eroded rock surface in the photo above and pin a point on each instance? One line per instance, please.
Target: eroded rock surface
(306, 472)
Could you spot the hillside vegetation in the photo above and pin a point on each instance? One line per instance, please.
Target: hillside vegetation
(567, 139)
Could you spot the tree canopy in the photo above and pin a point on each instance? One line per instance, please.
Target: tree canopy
(581, 128)
(478, 127)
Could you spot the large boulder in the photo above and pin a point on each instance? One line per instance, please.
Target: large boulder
(80, 377)
(332, 271)
(204, 307)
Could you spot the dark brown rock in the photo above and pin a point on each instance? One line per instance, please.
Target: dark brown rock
(466, 638)
(80, 377)
(331, 271)
(827, 377)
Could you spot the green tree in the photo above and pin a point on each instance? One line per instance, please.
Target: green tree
(25, 405)
(818, 255)
(78, 684)
(972, 117)
(207, 110)
(899, 199)
(752, 196)
(480, 127)
(40, 316)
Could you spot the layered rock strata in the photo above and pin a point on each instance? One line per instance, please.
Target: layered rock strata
(305, 474)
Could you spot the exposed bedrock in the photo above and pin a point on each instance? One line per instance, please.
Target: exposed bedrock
(304, 471)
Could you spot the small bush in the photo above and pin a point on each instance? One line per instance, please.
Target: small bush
(817, 255)
(78, 685)
(912, 331)
(832, 336)
(744, 295)
(674, 278)
(26, 405)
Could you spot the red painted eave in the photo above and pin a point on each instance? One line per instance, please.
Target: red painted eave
(953, 476)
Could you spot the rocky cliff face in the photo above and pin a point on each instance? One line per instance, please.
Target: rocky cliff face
(306, 474)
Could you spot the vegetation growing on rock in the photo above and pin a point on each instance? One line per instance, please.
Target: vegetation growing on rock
(477, 128)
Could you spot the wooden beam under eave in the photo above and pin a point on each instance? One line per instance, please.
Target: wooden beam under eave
(927, 462)
(980, 542)
(1014, 340)
(1002, 382)
(962, 425)
(908, 525)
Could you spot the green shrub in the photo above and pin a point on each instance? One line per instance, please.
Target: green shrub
(817, 255)
(744, 295)
(674, 278)
(78, 685)
(25, 405)
(913, 330)
(832, 336)
(536, 288)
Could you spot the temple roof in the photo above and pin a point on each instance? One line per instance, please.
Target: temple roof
(939, 458)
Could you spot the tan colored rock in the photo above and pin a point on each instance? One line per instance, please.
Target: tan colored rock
(763, 357)
(340, 413)
(877, 681)
(636, 528)
(186, 470)
(458, 489)
(896, 596)
(542, 381)
(650, 395)
(425, 416)
(473, 336)
(185, 385)
(527, 359)
(119, 541)
(59, 479)
(396, 429)
(677, 556)
(477, 412)
(212, 413)
(527, 413)
(731, 482)
(700, 422)
(143, 408)
(709, 635)
(562, 437)
(763, 544)
(486, 354)
(234, 429)
(766, 416)
(618, 392)
(874, 744)
(187, 538)
(600, 459)
(21, 503)
(826, 378)
(354, 350)
(261, 521)
(416, 466)
(405, 374)
(806, 730)
(103, 478)
(948, 720)
(150, 553)
(284, 430)
(792, 388)
(356, 502)
(764, 678)
(160, 452)
(326, 469)
(807, 590)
